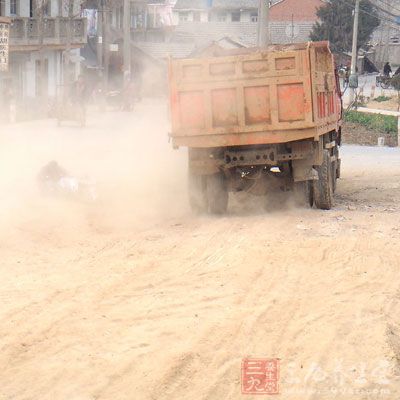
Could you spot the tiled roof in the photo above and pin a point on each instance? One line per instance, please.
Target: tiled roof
(244, 32)
(163, 50)
(202, 32)
(192, 36)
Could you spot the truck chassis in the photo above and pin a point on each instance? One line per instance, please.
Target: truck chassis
(305, 171)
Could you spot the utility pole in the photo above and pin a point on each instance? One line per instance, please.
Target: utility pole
(105, 45)
(385, 58)
(354, 52)
(100, 59)
(127, 40)
(263, 23)
(292, 37)
(67, 53)
(42, 76)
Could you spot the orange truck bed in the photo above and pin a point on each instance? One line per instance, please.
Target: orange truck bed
(254, 96)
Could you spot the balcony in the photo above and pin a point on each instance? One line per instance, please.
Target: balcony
(24, 33)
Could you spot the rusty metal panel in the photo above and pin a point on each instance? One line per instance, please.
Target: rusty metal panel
(325, 91)
(224, 107)
(241, 139)
(291, 102)
(257, 105)
(255, 66)
(253, 94)
(285, 63)
(225, 69)
(192, 71)
(191, 109)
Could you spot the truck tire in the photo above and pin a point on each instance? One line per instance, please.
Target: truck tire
(198, 193)
(217, 193)
(338, 169)
(310, 193)
(335, 168)
(334, 176)
(303, 194)
(323, 187)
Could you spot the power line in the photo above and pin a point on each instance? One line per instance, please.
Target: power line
(388, 5)
(386, 12)
(396, 27)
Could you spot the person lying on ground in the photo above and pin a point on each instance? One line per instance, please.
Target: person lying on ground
(55, 180)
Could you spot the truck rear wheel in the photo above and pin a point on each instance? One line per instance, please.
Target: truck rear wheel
(335, 166)
(334, 176)
(323, 187)
(217, 193)
(198, 193)
(303, 194)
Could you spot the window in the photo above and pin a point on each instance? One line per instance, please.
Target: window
(13, 7)
(254, 17)
(196, 16)
(236, 16)
(221, 17)
(183, 16)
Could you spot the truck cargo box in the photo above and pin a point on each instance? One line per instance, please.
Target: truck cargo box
(254, 96)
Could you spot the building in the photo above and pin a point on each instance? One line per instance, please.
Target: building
(290, 21)
(151, 20)
(180, 28)
(150, 23)
(386, 39)
(204, 21)
(296, 10)
(28, 45)
(152, 59)
(215, 11)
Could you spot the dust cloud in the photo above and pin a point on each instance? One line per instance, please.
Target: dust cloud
(139, 178)
(133, 297)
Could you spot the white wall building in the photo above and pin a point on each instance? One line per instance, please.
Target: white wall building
(25, 48)
(215, 11)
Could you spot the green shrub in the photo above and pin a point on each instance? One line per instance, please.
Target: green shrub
(376, 122)
(381, 99)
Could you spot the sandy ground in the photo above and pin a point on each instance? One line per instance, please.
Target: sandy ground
(135, 298)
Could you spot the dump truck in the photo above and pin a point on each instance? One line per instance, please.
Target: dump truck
(262, 120)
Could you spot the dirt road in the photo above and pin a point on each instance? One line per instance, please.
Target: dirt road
(135, 298)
